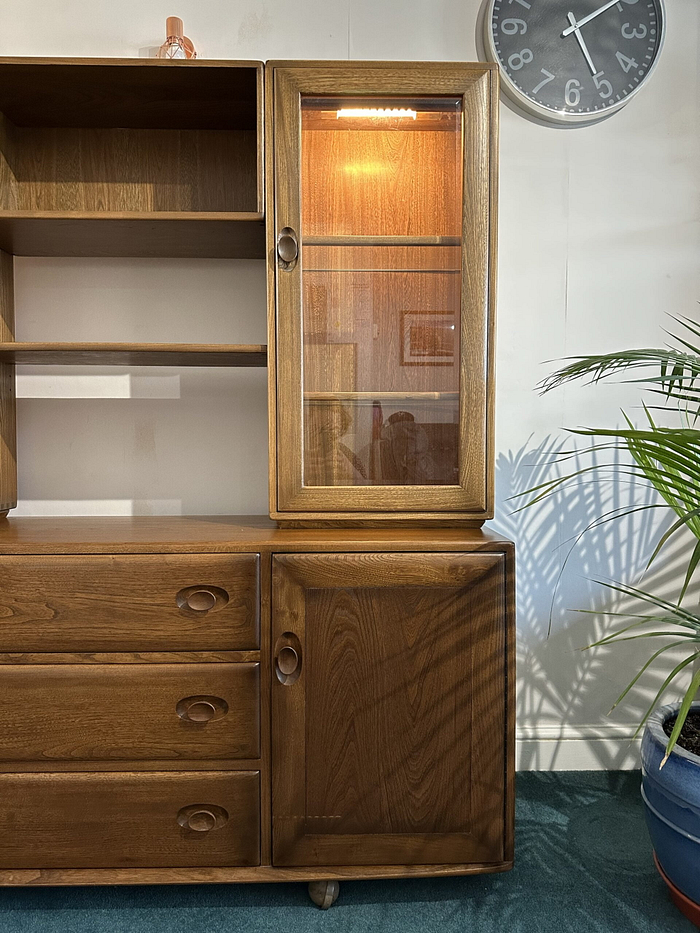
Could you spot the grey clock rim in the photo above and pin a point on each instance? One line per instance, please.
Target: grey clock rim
(557, 117)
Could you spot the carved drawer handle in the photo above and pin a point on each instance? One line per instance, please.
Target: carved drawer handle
(201, 709)
(202, 818)
(201, 599)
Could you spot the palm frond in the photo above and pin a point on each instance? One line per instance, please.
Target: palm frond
(667, 459)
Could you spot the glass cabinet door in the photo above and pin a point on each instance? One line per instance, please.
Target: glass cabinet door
(383, 192)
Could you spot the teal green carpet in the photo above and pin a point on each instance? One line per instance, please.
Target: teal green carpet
(583, 863)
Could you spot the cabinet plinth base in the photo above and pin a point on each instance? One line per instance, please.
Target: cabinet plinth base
(324, 893)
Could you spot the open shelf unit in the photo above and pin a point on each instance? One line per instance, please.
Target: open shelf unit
(124, 158)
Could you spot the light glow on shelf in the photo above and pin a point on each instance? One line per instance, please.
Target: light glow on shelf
(375, 112)
(366, 168)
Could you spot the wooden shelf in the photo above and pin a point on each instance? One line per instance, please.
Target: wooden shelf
(143, 534)
(382, 241)
(133, 354)
(379, 396)
(176, 234)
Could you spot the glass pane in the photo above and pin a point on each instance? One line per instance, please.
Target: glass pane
(381, 235)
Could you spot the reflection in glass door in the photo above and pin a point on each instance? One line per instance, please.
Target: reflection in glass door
(381, 230)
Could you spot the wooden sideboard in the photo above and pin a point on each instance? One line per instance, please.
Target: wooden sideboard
(220, 699)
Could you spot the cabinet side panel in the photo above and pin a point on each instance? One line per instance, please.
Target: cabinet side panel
(8, 426)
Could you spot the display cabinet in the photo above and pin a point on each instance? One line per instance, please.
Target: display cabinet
(230, 699)
(383, 183)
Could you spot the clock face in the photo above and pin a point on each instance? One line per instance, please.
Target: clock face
(574, 61)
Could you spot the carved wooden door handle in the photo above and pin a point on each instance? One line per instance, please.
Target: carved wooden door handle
(288, 658)
(201, 708)
(287, 248)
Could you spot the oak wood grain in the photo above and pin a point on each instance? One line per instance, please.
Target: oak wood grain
(133, 354)
(391, 744)
(132, 764)
(76, 713)
(8, 418)
(129, 657)
(129, 603)
(126, 820)
(263, 873)
(266, 725)
(221, 535)
(88, 169)
(173, 234)
(8, 179)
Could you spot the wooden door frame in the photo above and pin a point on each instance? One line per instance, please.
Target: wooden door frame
(477, 85)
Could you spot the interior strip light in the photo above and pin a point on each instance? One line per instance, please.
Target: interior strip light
(375, 112)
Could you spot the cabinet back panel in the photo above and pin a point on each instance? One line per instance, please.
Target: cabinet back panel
(111, 169)
(370, 181)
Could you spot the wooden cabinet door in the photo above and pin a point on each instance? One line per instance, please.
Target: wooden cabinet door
(383, 178)
(390, 726)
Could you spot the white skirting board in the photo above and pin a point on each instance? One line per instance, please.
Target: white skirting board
(553, 747)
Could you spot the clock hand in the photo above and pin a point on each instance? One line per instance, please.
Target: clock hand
(581, 42)
(587, 19)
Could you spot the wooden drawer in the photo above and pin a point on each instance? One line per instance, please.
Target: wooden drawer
(124, 820)
(129, 603)
(83, 712)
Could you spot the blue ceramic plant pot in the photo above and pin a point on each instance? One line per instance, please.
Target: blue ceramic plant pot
(672, 803)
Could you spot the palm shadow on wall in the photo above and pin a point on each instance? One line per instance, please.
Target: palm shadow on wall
(561, 568)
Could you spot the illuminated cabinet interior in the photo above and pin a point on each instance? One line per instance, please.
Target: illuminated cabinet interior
(381, 291)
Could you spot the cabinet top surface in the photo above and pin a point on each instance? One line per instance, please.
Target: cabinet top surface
(217, 533)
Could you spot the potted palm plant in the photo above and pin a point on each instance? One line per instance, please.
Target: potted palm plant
(668, 459)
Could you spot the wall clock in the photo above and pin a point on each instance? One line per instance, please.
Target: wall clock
(573, 61)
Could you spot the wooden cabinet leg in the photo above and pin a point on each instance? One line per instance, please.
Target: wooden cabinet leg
(324, 893)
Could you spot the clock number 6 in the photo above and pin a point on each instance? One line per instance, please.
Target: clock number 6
(572, 93)
(518, 59)
(603, 85)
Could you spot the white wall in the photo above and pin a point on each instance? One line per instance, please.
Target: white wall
(599, 241)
